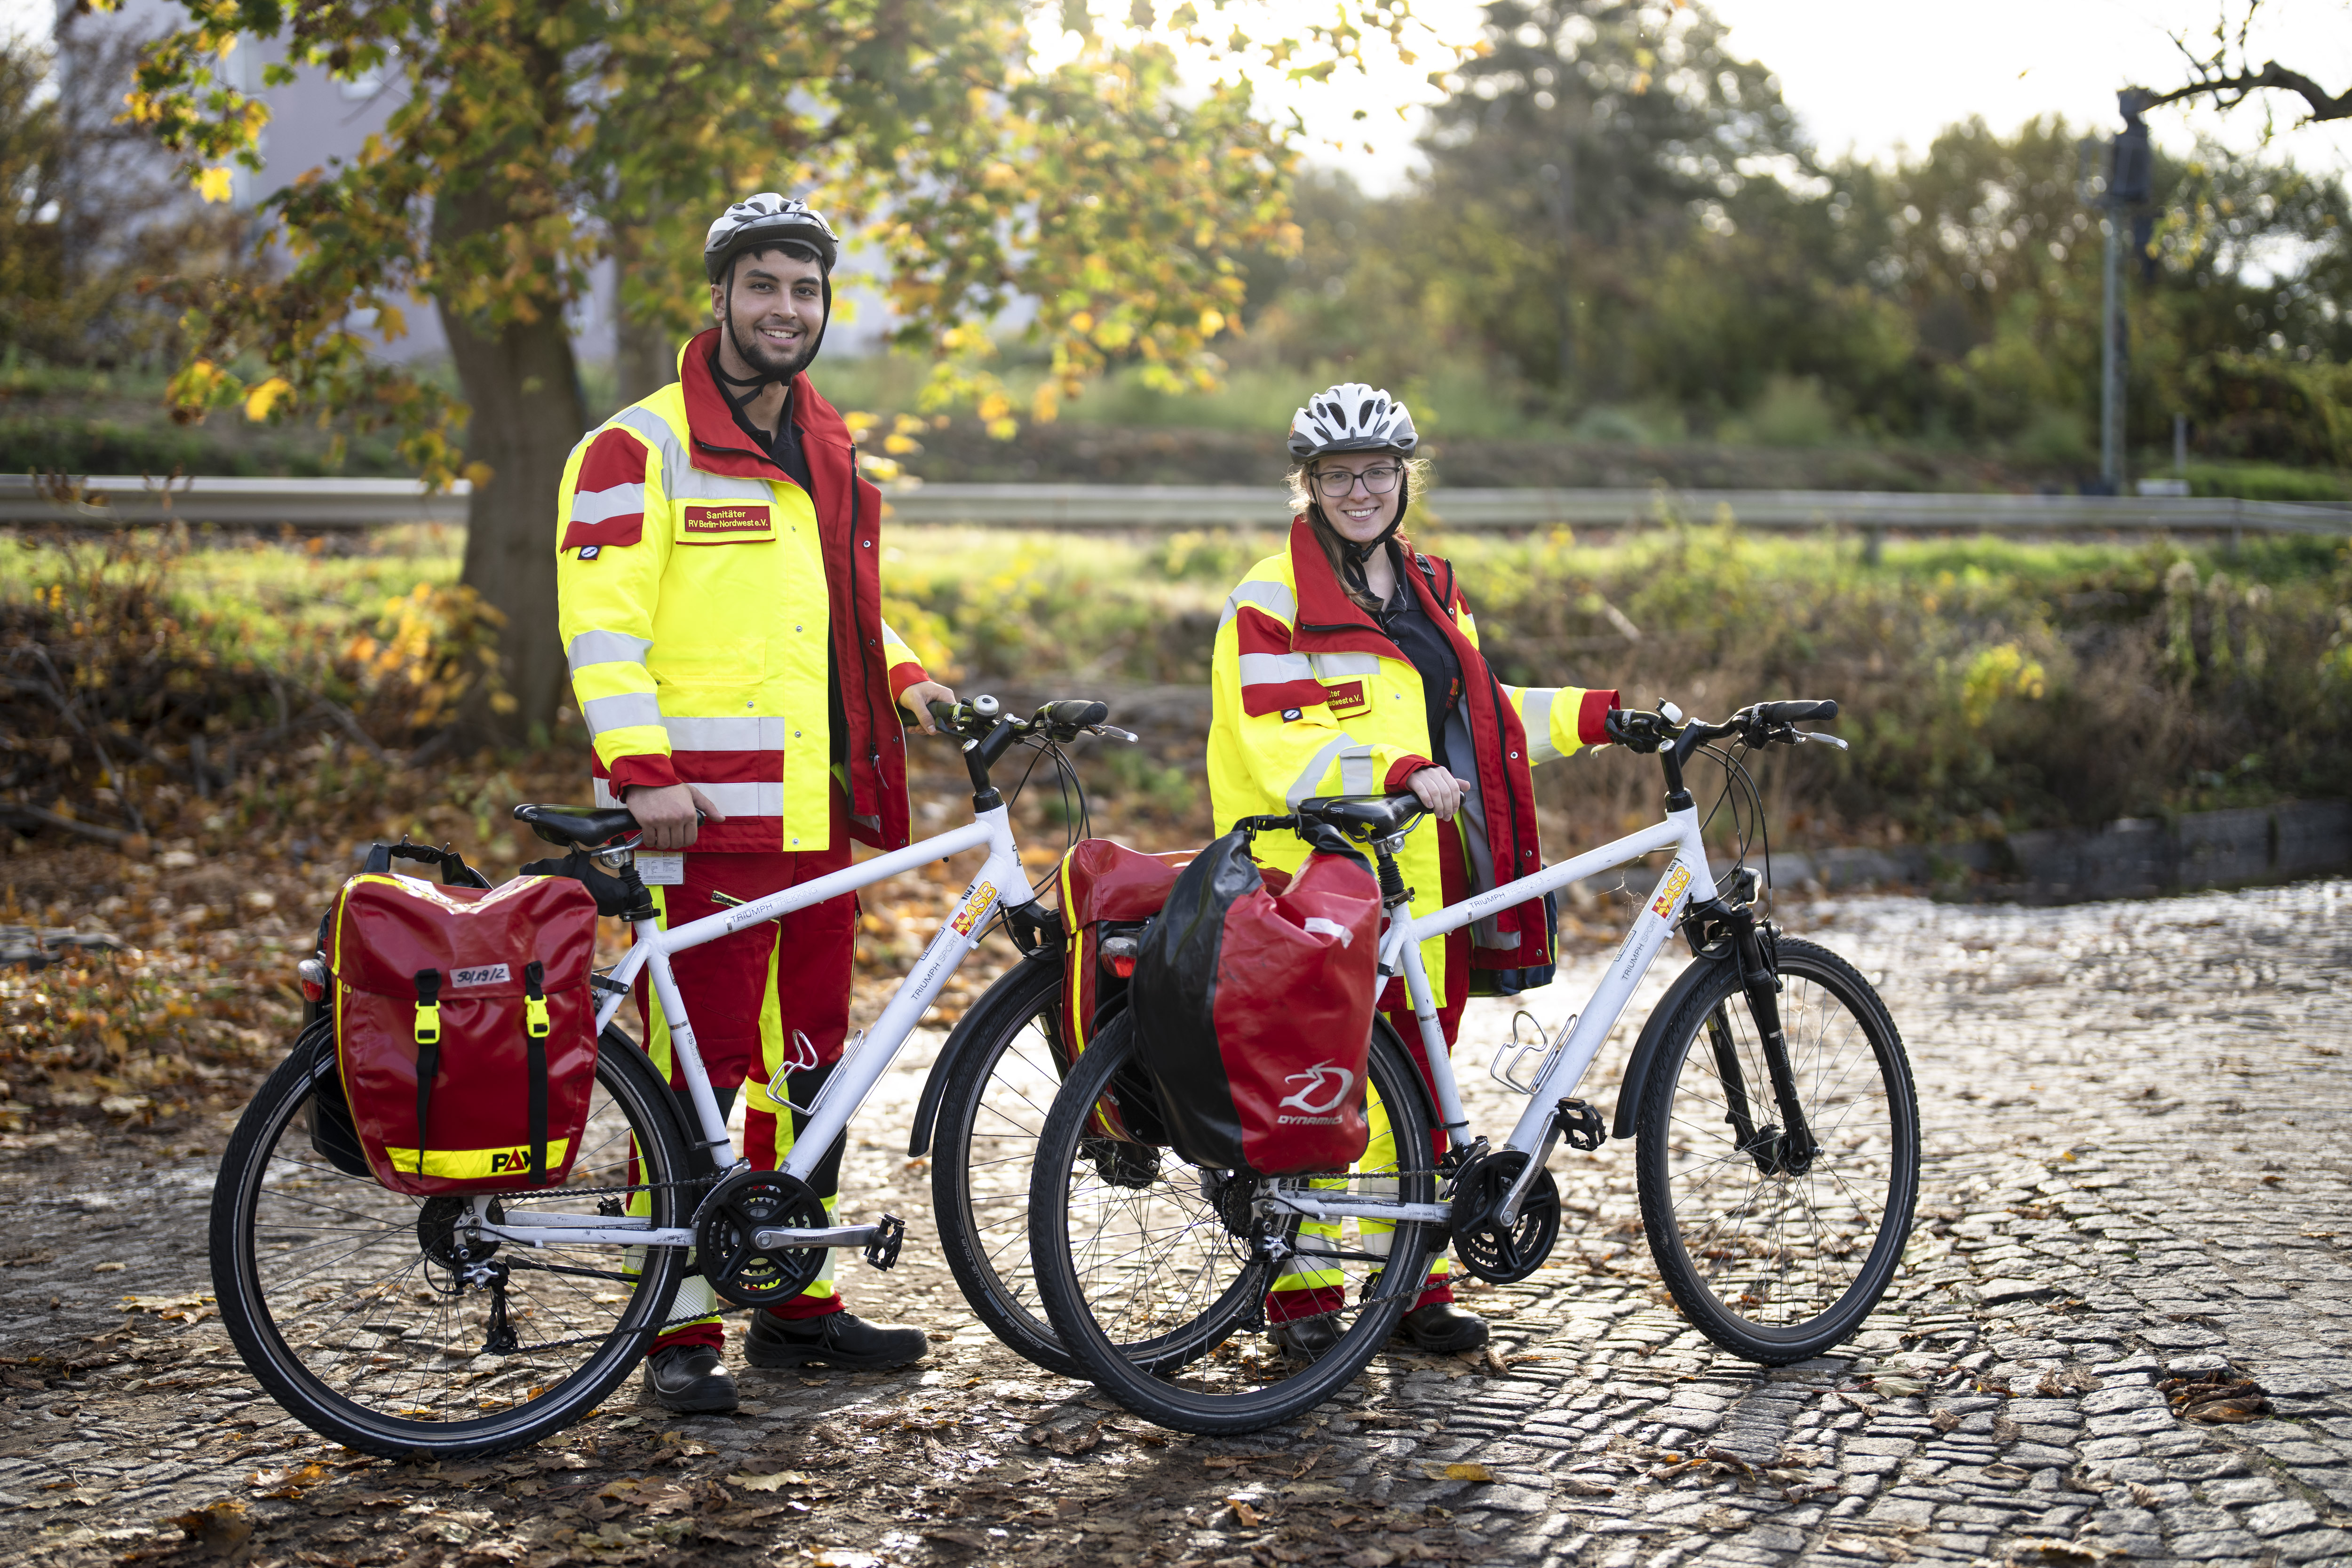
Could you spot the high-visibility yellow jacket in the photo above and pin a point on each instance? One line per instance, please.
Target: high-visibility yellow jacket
(724, 627)
(1312, 698)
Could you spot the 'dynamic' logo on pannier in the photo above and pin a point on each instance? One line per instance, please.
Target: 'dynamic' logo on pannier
(1316, 1079)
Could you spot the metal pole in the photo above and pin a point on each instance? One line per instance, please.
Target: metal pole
(2128, 169)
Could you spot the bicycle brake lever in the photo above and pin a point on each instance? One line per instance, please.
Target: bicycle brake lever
(1824, 740)
(1114, 732)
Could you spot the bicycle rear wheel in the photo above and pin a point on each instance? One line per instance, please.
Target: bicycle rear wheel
(1777, 1257)
(1147, 1269)
(1000, 1085)
(339, 1295)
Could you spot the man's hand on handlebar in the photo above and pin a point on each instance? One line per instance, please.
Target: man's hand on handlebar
(1634, 730)
(670, 815)
(1437, 789)
(917, 699)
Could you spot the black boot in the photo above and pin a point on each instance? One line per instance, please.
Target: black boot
(688, 1379)
(1307, 1339)
(837, 1339)
(1442, 1328)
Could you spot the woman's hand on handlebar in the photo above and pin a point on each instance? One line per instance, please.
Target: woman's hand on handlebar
(670, 815)
(1437, 789)
(917, 699)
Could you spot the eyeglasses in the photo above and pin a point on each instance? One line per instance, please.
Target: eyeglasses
(1378, 481)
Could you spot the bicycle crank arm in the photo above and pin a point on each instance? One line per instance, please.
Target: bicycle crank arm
(786, 1237)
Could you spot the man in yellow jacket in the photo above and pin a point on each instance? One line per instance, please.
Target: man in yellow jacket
(718, 588)
(1349, 664)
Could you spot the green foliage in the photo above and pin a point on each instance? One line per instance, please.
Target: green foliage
(2271, 410)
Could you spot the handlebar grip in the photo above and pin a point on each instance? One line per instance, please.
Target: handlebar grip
(943, 714)
(1796, 710)
(1073, 713)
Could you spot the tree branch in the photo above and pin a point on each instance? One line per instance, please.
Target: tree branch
(2237, 88)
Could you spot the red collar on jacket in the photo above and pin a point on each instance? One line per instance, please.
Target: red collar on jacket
(1329, 621)
(720, 443)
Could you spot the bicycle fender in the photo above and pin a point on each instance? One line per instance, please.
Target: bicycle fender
(1010, 990)
(1637, 1065)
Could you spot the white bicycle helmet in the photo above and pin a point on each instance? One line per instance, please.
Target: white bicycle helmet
(1351, 417)
(767, 219)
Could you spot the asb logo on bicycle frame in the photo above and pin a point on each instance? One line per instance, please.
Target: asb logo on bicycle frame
(976, 907)
(1668, 891)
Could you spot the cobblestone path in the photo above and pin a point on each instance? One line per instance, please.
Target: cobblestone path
(2139, 1131)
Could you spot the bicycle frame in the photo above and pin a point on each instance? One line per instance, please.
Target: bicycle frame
(1000, 881)
(1687, 878)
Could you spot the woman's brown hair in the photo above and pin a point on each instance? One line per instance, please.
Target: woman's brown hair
(1336, 549)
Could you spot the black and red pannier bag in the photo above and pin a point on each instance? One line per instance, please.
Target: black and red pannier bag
(465, 1028)
(1253, 1008)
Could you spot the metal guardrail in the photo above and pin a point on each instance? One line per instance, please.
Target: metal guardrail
(363, 503)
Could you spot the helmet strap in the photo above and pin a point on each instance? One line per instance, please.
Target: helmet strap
(763, 378)
(1355, 554)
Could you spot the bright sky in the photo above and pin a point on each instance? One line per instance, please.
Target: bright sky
(1875, 77)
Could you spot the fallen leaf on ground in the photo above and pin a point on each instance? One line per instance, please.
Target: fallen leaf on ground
(1586, 1486)
(1245, 1516)
(219, 1528)
(1459, 1472)
(767, 1483)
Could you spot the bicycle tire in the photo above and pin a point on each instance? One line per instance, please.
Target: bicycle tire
(1164, 1378)
(1755, 1257)
(272, 1198)
(1000, 1085)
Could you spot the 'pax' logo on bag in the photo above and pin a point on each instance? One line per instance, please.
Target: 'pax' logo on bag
(482, 975)
(1315, 1078)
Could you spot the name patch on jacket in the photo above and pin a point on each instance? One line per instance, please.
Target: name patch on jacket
(723, 522)
(1346, 697)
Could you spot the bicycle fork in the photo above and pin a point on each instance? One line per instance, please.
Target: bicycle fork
(1788, 1149)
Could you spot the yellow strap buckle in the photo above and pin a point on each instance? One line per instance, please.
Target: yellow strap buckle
(534, 1011)
(428, 1023)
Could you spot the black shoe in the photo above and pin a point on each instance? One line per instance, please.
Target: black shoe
(688, 1379)
(1307, 1339)
(837, 1339)
(1442, 1328)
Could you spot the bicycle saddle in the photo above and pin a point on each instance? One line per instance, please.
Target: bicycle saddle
(577, 825)
(1363, 815)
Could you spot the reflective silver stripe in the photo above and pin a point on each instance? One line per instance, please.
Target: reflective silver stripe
(1354, 770)
(605, 648)
(1272, 668)
(725, 735)
(1534, 713)
(1272, 597)
(692, 484)
(627, 710)
(744, 799)
(605, 795)
(734, 799)
(617, 500)
(657, 435)
(1328, 666)
(889, 636)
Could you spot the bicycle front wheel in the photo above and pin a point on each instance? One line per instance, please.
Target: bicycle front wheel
(1774, 1253)
(345, 1300)
(1001, 1083)
(1149, 1266)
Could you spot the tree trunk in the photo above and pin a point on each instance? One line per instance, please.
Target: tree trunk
(645, 353)
(524, 386)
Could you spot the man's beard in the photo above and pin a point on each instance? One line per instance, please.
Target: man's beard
(769, 361)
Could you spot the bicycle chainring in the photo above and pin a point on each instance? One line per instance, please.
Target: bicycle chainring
(745, 1203)
(1500, 1254)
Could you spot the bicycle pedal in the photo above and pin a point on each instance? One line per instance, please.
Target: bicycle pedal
(889, 1235)
(1580, 1126)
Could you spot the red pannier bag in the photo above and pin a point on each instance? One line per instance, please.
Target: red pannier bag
(1108, 892)
(1255, 1008)
(464, 1028)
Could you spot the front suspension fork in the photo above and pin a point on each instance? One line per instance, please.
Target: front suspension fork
(1788, 1151)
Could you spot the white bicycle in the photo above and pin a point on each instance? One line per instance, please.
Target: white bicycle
(1776, 1143)
(449, 1326)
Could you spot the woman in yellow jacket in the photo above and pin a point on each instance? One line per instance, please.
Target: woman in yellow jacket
(1349, 664)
